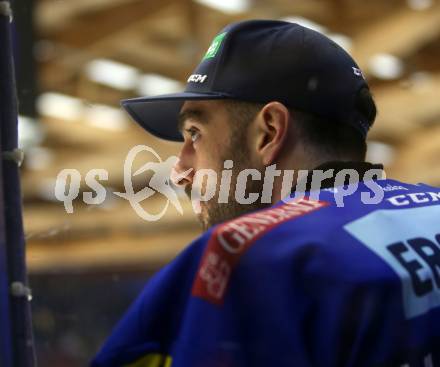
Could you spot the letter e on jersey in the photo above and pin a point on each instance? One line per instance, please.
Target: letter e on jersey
(408, 240)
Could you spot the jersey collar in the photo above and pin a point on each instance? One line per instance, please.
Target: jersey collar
(360, 167)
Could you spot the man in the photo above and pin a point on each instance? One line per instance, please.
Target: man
(344, 272)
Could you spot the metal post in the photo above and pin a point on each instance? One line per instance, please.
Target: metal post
(16, 340)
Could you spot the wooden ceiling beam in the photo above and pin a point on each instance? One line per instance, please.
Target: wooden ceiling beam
(314, 9)
(122, 252)
(402, 33)
(54, 15)
(88, 28)
(85, 147)
(405, 108)
(95, 237)
(49, 222)
(417, 159)
(129, 44)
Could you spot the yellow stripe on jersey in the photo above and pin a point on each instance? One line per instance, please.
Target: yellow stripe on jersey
(152, 360)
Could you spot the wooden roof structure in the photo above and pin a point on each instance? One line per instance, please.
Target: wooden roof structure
(168, 37)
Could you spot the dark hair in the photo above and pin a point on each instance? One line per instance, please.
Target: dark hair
(327, 138)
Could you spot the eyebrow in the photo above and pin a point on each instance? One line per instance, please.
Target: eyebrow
(191, 114)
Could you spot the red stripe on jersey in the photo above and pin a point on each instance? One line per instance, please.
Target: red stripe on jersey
(230, 240)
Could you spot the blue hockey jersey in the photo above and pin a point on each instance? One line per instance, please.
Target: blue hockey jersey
(307, 282)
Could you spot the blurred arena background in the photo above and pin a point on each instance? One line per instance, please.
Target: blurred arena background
(75, 60)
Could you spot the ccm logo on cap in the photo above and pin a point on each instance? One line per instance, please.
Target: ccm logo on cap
(197, 78)
(358, 72)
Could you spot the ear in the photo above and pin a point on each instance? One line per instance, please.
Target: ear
(272, 125)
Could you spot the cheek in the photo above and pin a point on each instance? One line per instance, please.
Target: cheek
(209, 155)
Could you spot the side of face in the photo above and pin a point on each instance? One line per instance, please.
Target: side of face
(205, 130)
(210, 139)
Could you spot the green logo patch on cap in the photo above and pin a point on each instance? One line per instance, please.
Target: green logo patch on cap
(215, 45)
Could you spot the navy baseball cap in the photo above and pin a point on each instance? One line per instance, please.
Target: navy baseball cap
(263, 61)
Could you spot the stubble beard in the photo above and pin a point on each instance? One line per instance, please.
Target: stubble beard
(212, 212)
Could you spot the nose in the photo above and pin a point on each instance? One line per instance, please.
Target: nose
(183, 170)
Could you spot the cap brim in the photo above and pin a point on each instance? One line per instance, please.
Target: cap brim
(159, 114)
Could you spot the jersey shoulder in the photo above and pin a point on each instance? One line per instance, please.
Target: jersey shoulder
(360, 242)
